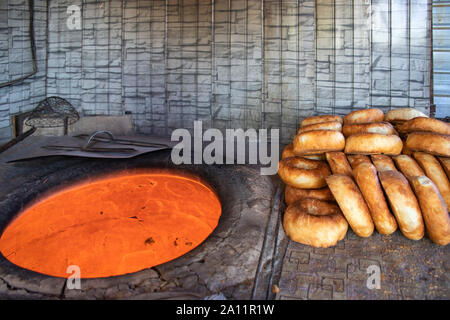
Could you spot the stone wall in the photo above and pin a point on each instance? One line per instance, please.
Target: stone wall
(238, 63)
(16, 60)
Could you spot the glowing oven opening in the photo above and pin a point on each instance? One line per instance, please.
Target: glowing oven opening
(113, 226)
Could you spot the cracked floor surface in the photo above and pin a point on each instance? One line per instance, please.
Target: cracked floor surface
(408, 269)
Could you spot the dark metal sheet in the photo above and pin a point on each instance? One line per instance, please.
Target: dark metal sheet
(32, 147)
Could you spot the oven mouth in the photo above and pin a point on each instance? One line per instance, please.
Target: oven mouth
(113, 224)
(236, 259)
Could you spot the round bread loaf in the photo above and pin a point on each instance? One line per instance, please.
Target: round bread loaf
(352, 204)
(401, 115)
(364, 116)
(373, 143)
(424, 124)
(434, 143)
(403, 203)
(356, 159)
(374, 127)
(434, 210)
(383, 162)
(330, 125)
(288, 152)
(303, 173)
(320, 156)
(338, 163)
(317, 142)
(366, 177)
(408, 166)
(292, 194)
(434, 171)
(314, 223)
(319, 119)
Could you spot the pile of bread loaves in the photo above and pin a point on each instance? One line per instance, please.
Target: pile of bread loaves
(369, 170)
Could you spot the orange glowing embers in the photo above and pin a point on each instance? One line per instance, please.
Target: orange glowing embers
(113, 226)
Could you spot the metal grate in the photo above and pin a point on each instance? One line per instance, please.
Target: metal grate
(441, 58)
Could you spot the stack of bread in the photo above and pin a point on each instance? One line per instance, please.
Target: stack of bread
(367, 170)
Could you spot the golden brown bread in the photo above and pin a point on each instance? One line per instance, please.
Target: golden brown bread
(338, 163)
(303, 173)
(403, 203)
(445, 165)
(352, 204)
(315, 223)
(319, 119)
(373, 143)
(364, 116)
(434, 143)
(424, 124)
(320, 156)
(406, 151)
(408, 166)
(434, 210)
(373, 127)
(403, 114)
(318, 207)
(292, 194)
(356, 159)
(434, 171)
(330, 125)
(288, 151)
(319, 141)
(383, 162)
(366, 177)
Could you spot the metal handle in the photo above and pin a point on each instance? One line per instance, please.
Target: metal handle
(92, 137)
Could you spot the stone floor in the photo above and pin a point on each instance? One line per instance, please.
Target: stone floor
(408, 269)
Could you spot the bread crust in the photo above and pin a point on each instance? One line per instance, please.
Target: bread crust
(383, 162)
(424, 124)
(445, 162)
(319, 141)
(330, 125)
(302, 225)
(403, 114)
(434, 143)
(366, 177)
(403, 203)
(318, 207)
(288, 152)
(356, 159)
(338, 163)
(374, 127)
(303, 173)
(373, 143)
(434, 171)
(434, 210)
(408, 166)
(319, 119)
(320, 156)
(364, 116)
(407, 151)
(352, 204)
(292, 194)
